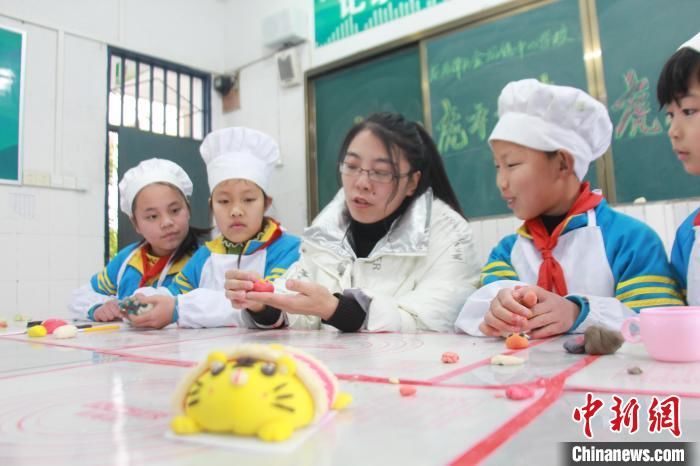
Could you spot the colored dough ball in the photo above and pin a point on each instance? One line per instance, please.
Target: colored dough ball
(263, 286)
(52, 324)
(65, 331)
(449, 357)
(37, 331)
(517, 341)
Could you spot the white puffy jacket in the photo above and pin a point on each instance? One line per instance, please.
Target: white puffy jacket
(416, 278)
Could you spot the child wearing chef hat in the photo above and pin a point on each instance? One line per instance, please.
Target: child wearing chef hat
(154, 196)
(239, 164)
(678, 90)
(586, 263)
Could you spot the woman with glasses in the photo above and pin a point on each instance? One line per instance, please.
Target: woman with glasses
(391, 253)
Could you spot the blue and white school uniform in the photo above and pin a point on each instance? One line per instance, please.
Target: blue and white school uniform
(120, 279)
(614, 266)
(199, 288)
(685, 258)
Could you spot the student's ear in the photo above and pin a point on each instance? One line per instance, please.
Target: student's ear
(268, 202)
(566, 162)
(413, 183)
(135, 225)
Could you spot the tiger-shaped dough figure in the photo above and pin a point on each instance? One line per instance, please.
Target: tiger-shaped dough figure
(263, 390)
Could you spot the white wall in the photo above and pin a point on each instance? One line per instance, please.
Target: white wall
(52, 240)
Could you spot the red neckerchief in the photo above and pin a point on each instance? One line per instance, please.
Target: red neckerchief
(696, 221)
(551, 275)
(150, 271)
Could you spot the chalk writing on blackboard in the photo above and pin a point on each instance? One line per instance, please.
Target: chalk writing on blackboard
(634, 108)
(452, 135)
(457, 67)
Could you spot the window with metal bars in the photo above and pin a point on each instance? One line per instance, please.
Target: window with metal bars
(157, 96)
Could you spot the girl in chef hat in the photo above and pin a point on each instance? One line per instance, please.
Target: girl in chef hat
(154, 196)
(239, 164)
(586, 263)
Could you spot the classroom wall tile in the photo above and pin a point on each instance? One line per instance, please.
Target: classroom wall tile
(63, 257)
(8, 256)
(59, 295)
(33, 260)
(33, 298)
(90, 257)
(8, 304)
(64, 214)
(91, 208)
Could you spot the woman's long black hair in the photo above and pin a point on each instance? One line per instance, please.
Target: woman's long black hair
(399, 134)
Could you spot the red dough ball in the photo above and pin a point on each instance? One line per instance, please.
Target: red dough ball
(519, 392)
(52, 324)
(448, 357)
(407, 390)
(263, 286)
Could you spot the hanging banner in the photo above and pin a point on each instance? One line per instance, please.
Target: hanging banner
(338, 19)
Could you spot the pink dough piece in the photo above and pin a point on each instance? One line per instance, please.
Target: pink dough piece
(407, 390)
(519, 392)
(449, 357)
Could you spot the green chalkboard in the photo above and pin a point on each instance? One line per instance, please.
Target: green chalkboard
(637, 37)
(468, 69)
(136, 146)
(390, 83)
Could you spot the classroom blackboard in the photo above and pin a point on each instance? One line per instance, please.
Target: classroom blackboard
(467, 71)
(391, 83)
(637, 37)
(136, 145)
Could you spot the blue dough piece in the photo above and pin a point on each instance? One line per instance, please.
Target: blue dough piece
(575, 345)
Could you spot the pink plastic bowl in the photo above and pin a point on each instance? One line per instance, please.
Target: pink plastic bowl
(668, 333)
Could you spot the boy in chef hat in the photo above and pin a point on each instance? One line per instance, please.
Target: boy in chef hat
(678, 90)
(239, 164)
(154, 196)
(586, 263)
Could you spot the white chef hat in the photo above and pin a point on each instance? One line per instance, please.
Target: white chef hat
(693, 43)
(239, 153)
(548, 118)
(147, 172)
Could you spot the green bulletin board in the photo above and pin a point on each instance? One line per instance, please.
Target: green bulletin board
(467, 71)
(11, 69)
(637, 37)
(338, 19)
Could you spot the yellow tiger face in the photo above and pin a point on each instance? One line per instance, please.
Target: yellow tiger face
(243, 395)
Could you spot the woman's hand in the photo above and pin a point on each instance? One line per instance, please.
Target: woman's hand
(310, 299)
